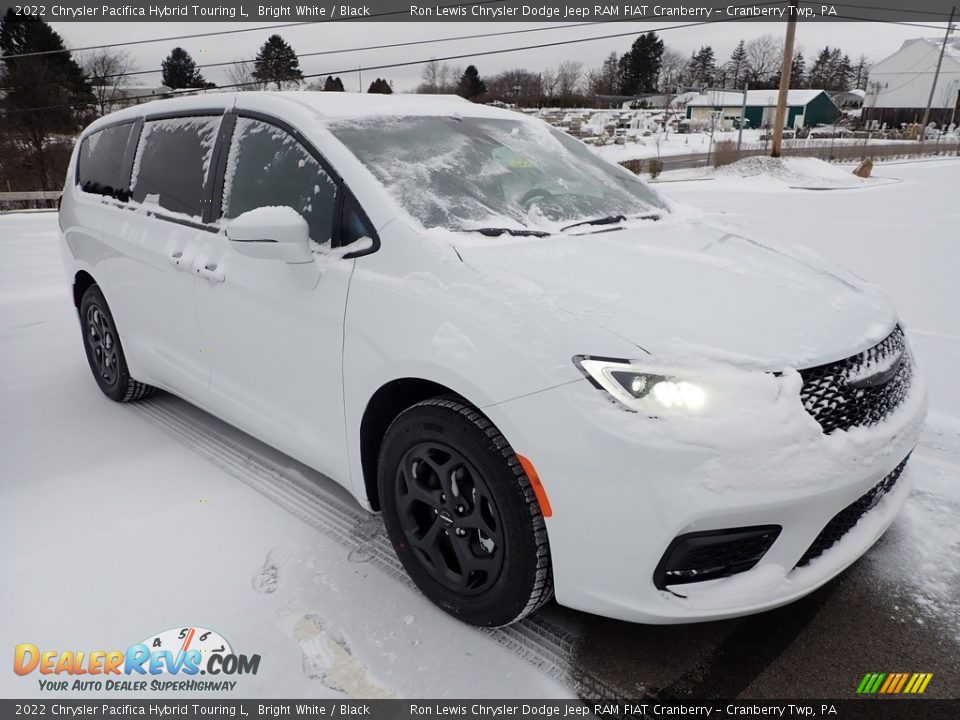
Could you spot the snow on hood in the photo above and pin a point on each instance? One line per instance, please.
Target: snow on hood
(680, 288)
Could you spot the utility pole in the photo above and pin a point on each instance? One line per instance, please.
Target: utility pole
(936, 75)
(743, 115)
(785, 69)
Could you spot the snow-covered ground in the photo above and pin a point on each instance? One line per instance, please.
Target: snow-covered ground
(114, 530)
(766, 174)
(118, 522)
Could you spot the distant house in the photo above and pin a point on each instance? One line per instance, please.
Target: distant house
(848, 99)
(899, 85)
(805, 108)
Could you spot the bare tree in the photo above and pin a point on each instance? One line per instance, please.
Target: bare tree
(764, 55)
(673, 65)
(438, 77)
(107, 72)
(240, 73)
(569, 73)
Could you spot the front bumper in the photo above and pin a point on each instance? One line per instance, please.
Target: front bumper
(623, 486)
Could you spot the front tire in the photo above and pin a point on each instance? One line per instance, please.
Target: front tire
(101, 341)
(461, 514)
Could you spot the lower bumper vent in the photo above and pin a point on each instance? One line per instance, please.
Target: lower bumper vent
(844, 521)
(708, 555)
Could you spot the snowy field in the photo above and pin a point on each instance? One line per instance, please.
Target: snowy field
(118, 522)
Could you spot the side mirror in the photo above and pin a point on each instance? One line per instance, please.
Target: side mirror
(271, 233)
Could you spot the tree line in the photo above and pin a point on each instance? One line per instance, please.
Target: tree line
(648, 67)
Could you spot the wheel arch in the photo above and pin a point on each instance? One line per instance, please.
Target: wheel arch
(384, 406)
(81, 283)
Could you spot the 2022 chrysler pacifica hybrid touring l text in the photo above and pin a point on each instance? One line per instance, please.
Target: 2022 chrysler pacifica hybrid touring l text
(548, 378)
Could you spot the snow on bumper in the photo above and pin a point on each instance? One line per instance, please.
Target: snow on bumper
(622, 486)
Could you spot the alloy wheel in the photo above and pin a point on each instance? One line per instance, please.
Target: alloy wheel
(103, 344)
(449, 517)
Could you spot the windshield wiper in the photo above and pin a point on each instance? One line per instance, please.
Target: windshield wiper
(611, 219)
(496, 232)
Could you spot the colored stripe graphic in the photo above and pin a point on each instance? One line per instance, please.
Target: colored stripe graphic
(894, 683)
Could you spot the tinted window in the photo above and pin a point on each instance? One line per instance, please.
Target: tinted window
(267, 167)
(172, 162)
(355, 225)
(101, 166)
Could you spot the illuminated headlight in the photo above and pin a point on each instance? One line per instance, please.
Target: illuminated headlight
(644, 391)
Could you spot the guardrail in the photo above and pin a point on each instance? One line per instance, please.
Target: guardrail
(29, 200)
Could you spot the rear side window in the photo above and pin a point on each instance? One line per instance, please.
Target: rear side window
(172, 162)
(266, 166)
(102, 167)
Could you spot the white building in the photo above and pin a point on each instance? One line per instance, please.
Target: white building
(899, 85)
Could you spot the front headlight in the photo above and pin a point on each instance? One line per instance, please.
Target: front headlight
(650, 391)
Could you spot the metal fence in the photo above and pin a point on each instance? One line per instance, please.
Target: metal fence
(836, 150)
(33, 200)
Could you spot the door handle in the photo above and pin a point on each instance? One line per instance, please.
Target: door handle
(211, 272)
(175, 257)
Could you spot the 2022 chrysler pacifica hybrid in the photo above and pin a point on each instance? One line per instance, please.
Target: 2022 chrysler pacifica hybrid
(548, 378)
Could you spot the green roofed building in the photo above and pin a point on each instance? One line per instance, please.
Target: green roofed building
(805, 108)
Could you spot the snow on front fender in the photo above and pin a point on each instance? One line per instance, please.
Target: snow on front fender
(761, 438)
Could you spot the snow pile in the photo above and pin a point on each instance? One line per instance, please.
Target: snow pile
(791, 171)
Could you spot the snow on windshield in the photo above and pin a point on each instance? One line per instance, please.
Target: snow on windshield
(471, 173)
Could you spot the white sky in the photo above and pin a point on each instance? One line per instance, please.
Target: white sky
(876, 40)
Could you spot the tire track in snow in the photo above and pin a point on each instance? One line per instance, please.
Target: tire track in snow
(536, 639)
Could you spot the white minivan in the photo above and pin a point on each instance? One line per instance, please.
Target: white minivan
(548, 378)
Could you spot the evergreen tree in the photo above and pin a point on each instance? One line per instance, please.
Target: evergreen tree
(180, 71)
(53, 81)
(798, 71)
(277, 62)
(737, 65)
(861, 72)
(702, 68)
(843, 73)
(380, 86)
(471, 86)
(831, 70)
(639, 67)
(333, 84)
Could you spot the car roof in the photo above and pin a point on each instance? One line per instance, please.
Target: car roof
(318, 105)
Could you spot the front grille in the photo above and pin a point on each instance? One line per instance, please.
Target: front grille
(846, 519)
(860, 390)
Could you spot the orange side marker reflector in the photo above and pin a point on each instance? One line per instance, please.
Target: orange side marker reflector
(536, 485)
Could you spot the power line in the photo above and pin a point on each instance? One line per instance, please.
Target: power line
(408, 63)
(235, 31)
(131, 73)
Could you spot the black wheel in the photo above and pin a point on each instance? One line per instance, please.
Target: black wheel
(462, 515)
(104, 351)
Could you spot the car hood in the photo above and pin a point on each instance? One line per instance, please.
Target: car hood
(681, 288)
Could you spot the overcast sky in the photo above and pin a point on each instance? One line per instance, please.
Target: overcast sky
(876, 40)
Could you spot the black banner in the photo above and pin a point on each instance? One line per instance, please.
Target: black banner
(872, 709)
(928, 12)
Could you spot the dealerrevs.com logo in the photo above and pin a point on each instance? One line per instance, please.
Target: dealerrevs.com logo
(169, 661)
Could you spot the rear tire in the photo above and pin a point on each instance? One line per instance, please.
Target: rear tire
(101, 341)
(461, 514)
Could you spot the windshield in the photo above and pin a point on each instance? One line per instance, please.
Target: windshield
(473, 173)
